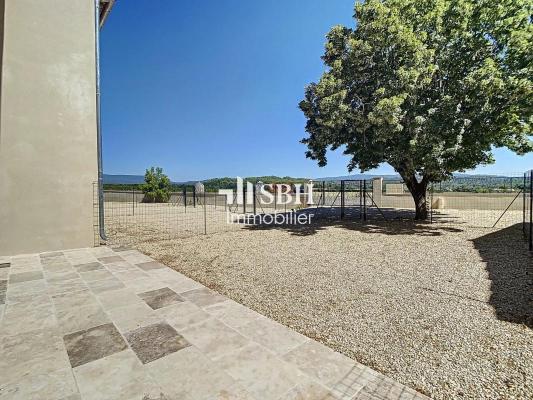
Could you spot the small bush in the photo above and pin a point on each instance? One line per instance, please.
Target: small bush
(156, 188)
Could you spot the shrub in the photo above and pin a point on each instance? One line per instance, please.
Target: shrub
(156, 188)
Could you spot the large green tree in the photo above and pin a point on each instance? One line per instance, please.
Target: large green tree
(428, 86)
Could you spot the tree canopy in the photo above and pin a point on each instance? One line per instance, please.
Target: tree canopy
(428, 86)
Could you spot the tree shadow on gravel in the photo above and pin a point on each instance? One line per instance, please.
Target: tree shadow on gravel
(510, 268)
(387, 222)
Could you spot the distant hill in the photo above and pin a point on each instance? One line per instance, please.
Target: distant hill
(397, 177)
(133, 180)
(230, 182)
(123, 179)
(357, 177)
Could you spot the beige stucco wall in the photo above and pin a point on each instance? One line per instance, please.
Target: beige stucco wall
(458, 201)
(48, 152)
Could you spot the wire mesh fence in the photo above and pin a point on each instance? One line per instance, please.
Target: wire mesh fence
(346, 199)
(127, 215)
(486, 202)
(481, 202)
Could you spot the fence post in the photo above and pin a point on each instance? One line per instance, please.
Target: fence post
(185, 197)
(244, 198)
(254, 193)
(342, 199)
(431, 203)
(364, 199)
(133, 198)
(531, 211)
(194, 196)
(524, 206)
(360, 199)
(205, 216)
(323, 193)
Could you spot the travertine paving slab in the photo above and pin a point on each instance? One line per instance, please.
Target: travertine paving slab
(121, 266)
(160, 298)
(234, 392)
(81, 318)
(232, 313)
(183, 315)
(73, 285)
(150, 265)
(133, 316)
(30, 304)
(135, 257)
(144, 284)
(75, 300)
(58, 385)
(25, 276)
(308, 390)
(110, 259)
(321, 363)
(152, 342)
(203, 297)
(130, 274)
(189, 375)
(94, 324)
(35, 352)
(90, 266)
(3, 291)
(119, 376)
(57, 267)
(93, 344)
(214, 338)
(118, 298)
(105, 285)
(261, 372)
(21, 291)
(53, 277)
(272, 335)
(183, 284)
(26, 320)
(96, 275)
(51, 254)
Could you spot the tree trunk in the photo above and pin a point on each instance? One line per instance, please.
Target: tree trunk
(418, 190)
(421, 208)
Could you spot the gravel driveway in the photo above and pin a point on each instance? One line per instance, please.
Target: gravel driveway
(442, 308)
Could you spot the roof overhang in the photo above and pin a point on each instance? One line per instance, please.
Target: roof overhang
(105, 9)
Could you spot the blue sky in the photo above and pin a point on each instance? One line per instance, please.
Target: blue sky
(211, 88)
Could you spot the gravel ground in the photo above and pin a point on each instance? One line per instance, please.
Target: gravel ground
(444, 308)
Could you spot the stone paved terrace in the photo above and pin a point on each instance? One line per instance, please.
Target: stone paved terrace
(102, 324)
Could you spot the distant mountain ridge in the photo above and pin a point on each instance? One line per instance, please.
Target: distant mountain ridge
(123, 179)
(356, 177)
(110, 179)
(397, 176)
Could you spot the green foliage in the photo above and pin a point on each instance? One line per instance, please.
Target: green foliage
(157, 186)
(428, 86)
(123, 186)
(212, 185)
